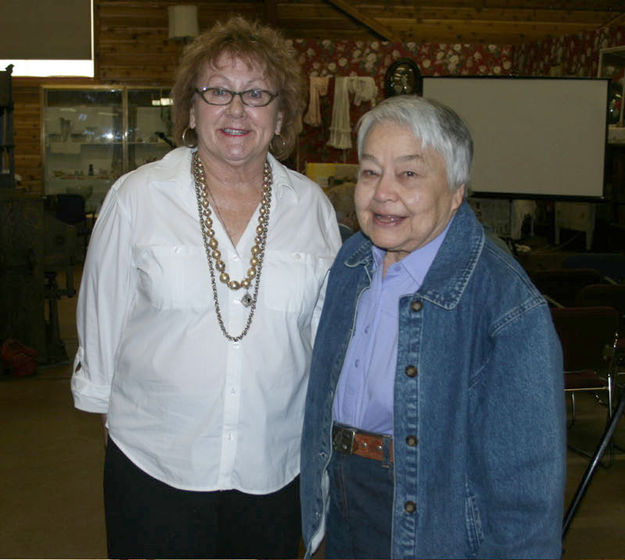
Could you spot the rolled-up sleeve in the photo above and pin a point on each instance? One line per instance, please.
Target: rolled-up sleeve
(105, 298)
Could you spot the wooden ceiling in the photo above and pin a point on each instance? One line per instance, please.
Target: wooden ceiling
(457, 21)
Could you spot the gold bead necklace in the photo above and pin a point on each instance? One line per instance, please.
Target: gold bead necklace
(211, 246)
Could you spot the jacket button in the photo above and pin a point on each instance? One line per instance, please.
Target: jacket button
(412, 440)
(410, 507)
(416, 305)
(411, 371)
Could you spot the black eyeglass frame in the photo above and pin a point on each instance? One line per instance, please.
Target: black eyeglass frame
(203, 90)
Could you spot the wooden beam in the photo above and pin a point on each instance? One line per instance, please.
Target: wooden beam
(618, 20)
(271, 13)
(371, 23)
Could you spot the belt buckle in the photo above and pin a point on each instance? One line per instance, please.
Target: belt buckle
(343, 440)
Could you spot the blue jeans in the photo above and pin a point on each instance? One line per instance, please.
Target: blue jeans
(361, 503)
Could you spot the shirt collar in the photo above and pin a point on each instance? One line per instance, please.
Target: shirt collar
(282, 183)
(180, 166)
(417, 263)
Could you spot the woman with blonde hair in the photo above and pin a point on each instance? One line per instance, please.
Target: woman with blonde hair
(198, 307)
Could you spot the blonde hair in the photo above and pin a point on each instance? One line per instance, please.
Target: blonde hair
(253, 43)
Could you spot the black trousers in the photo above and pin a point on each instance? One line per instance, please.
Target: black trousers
(146, 518)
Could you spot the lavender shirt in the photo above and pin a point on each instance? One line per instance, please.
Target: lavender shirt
(364, 395)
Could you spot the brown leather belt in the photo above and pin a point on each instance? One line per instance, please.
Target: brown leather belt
(351, 441)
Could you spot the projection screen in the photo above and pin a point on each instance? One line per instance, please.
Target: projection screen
(534, 137)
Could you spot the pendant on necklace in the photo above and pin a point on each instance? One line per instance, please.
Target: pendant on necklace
(246, 300)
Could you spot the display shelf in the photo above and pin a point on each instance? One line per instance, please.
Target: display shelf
(92, 135)
(612, 65)
(7, 147)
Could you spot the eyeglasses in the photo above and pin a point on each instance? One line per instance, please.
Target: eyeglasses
(222, 96)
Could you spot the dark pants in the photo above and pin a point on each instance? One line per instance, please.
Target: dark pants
(146, 518)
(361, 504)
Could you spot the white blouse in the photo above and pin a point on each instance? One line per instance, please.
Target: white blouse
(186, 405)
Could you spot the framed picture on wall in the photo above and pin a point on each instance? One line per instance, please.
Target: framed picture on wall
(403, 77)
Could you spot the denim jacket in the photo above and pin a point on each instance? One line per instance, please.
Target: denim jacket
(479, 383)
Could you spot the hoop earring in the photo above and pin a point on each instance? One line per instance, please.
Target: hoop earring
(185, 141)
(278, 143)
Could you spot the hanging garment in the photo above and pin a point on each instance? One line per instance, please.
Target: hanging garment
(340, 128)
(364, 89)
(318, 87)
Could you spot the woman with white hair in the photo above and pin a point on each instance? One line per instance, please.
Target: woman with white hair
(435, 423)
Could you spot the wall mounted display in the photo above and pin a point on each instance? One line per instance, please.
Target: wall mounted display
(93, 135)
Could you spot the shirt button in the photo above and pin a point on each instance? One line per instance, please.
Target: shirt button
(357, 363)
(367, 330)
(412, 440)
(410, 507)
(411, 371)
(416, 305)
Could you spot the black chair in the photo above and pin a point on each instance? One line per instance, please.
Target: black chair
(560, 286)
(64, 222)
(588, 336)
(70, 209)
(611, 266)
(612, 295)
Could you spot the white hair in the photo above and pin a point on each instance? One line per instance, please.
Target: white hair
(434, 124)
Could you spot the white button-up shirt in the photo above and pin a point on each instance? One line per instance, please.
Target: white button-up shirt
(186, 405)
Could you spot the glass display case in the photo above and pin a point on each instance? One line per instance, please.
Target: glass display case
(91, 135)
(7, 161)
(612, 65)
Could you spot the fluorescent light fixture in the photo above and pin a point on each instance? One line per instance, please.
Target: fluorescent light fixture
(46, 68)
(54, 67)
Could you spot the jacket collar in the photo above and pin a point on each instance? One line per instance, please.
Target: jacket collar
(456, 260)
(453, 265)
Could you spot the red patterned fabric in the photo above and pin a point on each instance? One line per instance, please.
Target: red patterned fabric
(360, 58)
(576, 55)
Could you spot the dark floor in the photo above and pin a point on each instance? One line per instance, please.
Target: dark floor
(51, 461)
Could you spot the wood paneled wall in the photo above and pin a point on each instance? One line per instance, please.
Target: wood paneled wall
(131, 48)
(27, 132)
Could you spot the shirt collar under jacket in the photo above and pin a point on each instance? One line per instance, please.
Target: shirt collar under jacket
(417, 263)
(439, 286)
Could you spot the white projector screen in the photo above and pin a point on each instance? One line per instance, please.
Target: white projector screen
(533, 137)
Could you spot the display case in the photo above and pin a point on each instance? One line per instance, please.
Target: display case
(612, 65)
(7, 162)
(92, 135)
